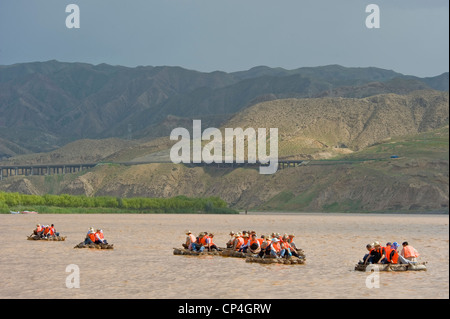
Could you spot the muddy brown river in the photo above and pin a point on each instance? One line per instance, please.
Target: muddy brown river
(142, 265)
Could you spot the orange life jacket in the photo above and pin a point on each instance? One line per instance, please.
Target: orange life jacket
(392, 257)
(410, 252)
(203, 240)
(47, 229)
(286, 245)
(387, 251)
(260, 240)
(239, 242)
(99, 234)
(254, 241)
(276, 246)
(39, 229)
(92, 237)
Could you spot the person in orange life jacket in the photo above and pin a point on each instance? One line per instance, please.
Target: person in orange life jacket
(272, 248)
(198, 245)
(409, 252)
(376, 254)
(252, 244)
(39, 231)
(387, 251)
(291, 241)
(392, 255)
(205, 240)
(276, 247)
(238, 241)
(244, 246)
(266, 247)
(287, 250)
(90, 237)
(48, 232)
(260, 240)
(212, 245)
(99, 237)
(293, 248)
(53, 230)
(395, 257)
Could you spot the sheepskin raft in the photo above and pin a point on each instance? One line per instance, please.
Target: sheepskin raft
(227, 252)
(183, 251)
(95, 246)
(224, 252)
(272, 260)
(56, 238)
(391, 267)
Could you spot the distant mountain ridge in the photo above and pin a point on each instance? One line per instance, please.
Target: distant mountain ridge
(45, 105)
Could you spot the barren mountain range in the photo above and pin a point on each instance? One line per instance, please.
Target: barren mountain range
(53, 112)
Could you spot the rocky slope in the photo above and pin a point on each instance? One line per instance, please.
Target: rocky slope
(416, 181)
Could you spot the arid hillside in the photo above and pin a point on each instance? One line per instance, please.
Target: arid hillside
(364, 132)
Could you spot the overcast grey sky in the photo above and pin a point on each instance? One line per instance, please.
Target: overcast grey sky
(230, 35)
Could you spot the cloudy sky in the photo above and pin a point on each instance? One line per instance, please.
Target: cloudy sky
(230, 35)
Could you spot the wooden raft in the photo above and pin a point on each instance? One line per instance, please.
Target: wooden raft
(56, 238)
(391, 267)
(95, 246)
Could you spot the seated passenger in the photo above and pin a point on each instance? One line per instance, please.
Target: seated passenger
(212, 245)
(198, 245)
(266, 247)
(100, 238)
(401, 259)
(409, 252)
(366, 258)
(231, 241)
(238, 241)
(90, 237)
(376, 254)
(39, 231)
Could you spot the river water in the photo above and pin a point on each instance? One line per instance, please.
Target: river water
(142, 265)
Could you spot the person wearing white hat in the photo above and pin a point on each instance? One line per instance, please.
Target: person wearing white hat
(90, 237)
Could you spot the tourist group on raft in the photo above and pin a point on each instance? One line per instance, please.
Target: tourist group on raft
(95, 237)
(389, 254)
(45, 231)
(274, 245)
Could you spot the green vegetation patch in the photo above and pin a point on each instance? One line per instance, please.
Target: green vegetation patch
(66, 204)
